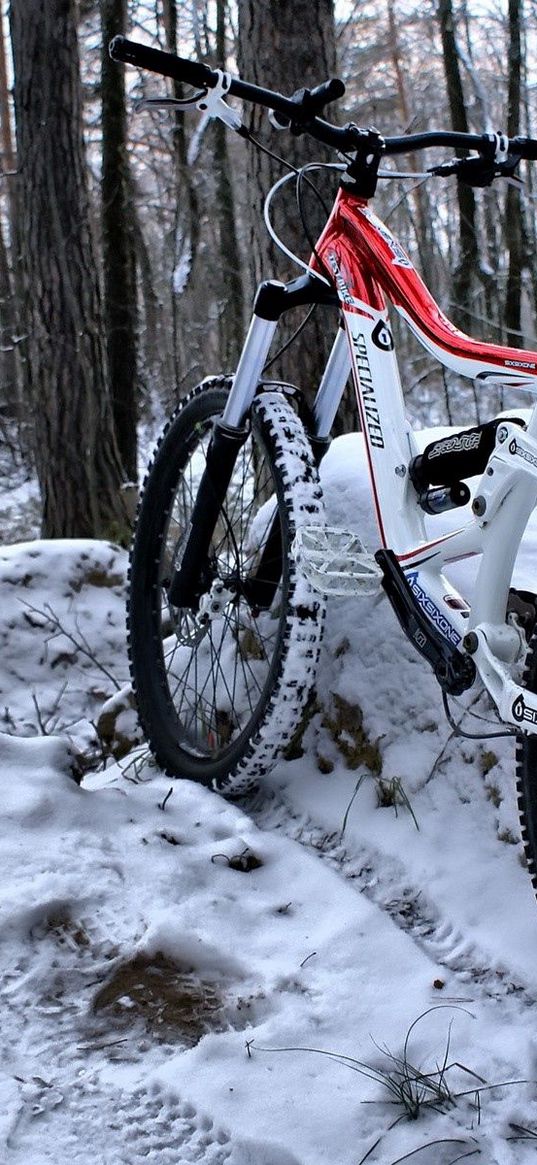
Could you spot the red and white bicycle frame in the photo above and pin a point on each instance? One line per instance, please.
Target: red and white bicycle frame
(370, 267)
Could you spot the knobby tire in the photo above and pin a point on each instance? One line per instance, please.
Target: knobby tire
(526, 773)
(218, 702)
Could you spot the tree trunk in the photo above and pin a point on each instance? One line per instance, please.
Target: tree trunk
(286, 47)
(468, 265)
(10, 400)
(513, 227)
(118, 243)
(529, 223)
(232, 309)
(76, 454)
(12, 373)
(424, 236)
(187, 211)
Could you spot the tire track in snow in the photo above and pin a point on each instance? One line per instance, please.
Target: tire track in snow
(385, 883)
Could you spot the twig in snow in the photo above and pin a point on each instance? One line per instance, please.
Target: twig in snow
(81, 643)
(162, 804)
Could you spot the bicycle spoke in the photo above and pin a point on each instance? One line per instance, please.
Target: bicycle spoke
(218, 673)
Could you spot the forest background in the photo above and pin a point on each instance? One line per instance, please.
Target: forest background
(131, 244)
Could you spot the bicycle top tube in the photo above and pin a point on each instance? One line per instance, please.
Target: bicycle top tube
(301, 110)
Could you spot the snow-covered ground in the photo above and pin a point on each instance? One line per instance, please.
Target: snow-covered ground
(185, 979)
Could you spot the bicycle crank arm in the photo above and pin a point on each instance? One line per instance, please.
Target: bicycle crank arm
(454, 671)
(192, 578)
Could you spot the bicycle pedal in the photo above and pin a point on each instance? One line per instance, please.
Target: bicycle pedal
(336, 562)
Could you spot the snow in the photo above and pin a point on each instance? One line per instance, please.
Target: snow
(181, 273)
(162, 1001)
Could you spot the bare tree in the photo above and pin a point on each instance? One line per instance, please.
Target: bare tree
(186, 230)
(77, 459)
(513, 227)
(232, 309)
(468, 263)
(118, 233)
(11, 373)
(285, 47)
(424, 233)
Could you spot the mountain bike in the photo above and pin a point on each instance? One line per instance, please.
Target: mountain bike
(232, 558)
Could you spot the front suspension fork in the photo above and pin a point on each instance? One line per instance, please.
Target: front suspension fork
(273, 300)
(229, 434)
(190, 580)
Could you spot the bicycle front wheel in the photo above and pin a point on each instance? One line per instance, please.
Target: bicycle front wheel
(220, 688)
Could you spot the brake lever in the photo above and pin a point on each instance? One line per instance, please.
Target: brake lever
(209, 102)
(142, 103)
(480, 172)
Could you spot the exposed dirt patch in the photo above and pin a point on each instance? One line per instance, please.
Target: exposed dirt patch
(174, 1004)
(345, 726)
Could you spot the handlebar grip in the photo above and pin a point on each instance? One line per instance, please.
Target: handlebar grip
(307, 104)
(323, 94)
(525, 147)
(166, 64)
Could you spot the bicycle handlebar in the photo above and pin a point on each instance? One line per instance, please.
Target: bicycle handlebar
(131, 52)
(193, 73)
(301, 110)
(523, 147)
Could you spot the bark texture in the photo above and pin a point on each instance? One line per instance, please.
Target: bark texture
(9, 299)
(468, 265)
(119, 253)
(513, 226)
(187, 217)
(77, 459)
(232, 307)
(286, 47)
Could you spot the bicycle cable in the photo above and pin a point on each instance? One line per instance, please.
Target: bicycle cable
(458, 731)
(299, 178)
(281, 351)
(404, 174)
(299, 174)
(296, 174)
